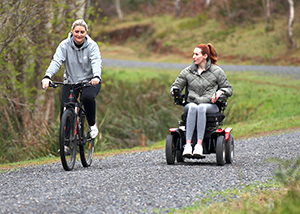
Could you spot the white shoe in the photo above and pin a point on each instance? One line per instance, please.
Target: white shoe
(67, 150)
(94, 131)
(198, 150)
(187, 152)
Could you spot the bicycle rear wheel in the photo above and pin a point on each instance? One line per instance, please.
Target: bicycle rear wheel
(86, 148)
(67, 140)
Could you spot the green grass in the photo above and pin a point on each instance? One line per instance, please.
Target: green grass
(138, 74)
(173, 40)
(263, 102)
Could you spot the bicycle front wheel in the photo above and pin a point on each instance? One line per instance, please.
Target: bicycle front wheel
(67, 140)
(87, 147)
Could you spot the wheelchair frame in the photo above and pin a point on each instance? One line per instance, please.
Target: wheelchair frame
(216, 139)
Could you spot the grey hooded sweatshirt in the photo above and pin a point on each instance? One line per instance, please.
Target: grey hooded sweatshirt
(81, 64)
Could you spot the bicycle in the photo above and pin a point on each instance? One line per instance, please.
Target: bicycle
(73, 129)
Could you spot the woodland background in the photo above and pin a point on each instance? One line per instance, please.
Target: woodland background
(32, 29)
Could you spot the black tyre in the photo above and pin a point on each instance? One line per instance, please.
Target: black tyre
(179, 157)
(170, 150)
(67, 140)
(220, 150)
(86, 148)
(229, 150)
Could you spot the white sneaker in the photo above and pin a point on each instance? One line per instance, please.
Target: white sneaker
(67, 150)
(198, 150)
(94, 131)
(187, 152)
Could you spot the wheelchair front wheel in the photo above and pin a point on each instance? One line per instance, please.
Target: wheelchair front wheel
(229, 150)
(179, 157)
(220, 150)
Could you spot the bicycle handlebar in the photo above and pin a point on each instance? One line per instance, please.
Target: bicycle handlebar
(55, 84)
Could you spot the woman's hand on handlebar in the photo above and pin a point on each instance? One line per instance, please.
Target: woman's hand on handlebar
(45, 83)
(216, 96)
(95, 81)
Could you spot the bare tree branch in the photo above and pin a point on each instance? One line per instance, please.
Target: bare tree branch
(13, 20)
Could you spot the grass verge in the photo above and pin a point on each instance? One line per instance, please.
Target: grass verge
(171, 39)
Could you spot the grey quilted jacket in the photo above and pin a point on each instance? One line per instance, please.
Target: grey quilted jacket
(202, 87)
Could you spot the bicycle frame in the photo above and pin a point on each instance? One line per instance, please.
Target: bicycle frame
(76, 107)
(73, 112)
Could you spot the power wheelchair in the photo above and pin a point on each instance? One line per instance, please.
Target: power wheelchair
(216, 139)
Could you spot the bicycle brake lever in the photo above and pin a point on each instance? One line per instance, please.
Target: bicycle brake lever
(53, 85)
(89, 84)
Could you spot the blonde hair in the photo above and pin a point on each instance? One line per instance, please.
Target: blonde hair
(80, 22)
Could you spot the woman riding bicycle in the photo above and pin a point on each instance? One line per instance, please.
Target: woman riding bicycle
(206, 83)
(83, 63)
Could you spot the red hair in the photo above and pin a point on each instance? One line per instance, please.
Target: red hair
(210, 51)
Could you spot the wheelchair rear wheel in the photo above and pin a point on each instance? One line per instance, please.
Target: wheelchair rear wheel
(220, 150)
(170, 149)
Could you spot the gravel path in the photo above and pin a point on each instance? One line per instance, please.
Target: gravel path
(141, 182)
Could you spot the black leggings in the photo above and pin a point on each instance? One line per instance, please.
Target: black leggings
(88, 97)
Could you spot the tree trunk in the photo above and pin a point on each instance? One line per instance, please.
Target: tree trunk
(44, 101)
(207, 3)
(86, 8)
(80, 7)
(149, 6)
(227, 8)
(20, 96)
(268, 8)
(118, 8)
(177, 8)
(290, 24)
(269, 22)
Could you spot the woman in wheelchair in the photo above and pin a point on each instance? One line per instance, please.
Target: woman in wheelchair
(206, 82)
